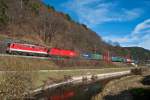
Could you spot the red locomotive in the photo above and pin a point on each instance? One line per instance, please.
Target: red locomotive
(62, 52)
(54, 52)
(36, 50)
(28, 49)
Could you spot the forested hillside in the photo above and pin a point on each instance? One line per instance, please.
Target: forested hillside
(139, 54)
(32, 20)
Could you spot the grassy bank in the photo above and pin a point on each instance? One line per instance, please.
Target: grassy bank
(35, 64)
(50, 69)
(59, 75)
(39, 64)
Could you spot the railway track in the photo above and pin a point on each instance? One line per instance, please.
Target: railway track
(20, 56)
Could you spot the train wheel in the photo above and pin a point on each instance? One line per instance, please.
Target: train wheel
(8, 52)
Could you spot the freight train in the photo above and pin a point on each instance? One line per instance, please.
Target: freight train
(36, 50)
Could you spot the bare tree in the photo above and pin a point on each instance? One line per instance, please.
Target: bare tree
(52, 26)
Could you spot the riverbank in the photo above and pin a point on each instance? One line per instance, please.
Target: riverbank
(125, 88)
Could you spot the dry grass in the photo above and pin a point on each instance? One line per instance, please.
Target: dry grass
(59, 75)
(40, 64)
(115, 87)
(32, 63)
(17, 82)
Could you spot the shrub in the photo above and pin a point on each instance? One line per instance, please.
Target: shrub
(26, 2)
(84, 26)
(50, 7)
(35, 7)
(68, 17)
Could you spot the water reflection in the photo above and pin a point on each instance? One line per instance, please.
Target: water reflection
(71, 92)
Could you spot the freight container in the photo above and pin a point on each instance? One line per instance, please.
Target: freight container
(92, 56)
(86, 56)
(117, 59)
(96, 57)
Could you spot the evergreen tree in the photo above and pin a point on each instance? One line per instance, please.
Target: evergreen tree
(3, 14)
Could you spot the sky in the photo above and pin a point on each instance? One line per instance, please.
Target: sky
(124, 21)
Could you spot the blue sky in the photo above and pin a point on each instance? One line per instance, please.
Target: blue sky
(123, 21)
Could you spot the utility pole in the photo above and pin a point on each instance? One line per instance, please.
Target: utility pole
(95, 49)
(108, 56)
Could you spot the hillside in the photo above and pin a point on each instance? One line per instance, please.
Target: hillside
(139, 53)
(34, 21)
